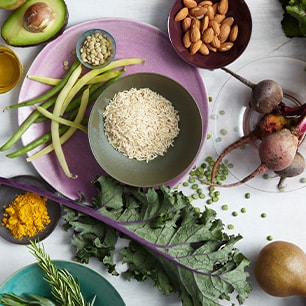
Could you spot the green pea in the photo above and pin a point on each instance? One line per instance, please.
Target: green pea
(223, 132)
(247, 195)
(231, 226)
(224, 207)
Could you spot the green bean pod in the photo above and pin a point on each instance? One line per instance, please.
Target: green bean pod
(25, 126)
(50, 93)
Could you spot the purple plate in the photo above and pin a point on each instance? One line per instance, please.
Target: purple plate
(137, 40)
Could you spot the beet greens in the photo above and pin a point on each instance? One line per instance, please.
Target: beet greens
(181, 249)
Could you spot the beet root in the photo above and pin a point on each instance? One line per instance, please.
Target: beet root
(267, 95)
(278, 150)
(297, 167)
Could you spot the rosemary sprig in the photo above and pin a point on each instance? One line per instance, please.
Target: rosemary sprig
(11, 299)
(64, 287)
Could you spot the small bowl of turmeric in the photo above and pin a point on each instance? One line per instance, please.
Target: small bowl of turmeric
(26, 216)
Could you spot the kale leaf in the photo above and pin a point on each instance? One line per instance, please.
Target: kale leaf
(294, 18)
(181, 249)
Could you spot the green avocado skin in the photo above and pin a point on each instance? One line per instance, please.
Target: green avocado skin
(10, 4)
(14, 33)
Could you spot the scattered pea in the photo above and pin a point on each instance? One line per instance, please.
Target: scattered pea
(195, 196)
(270, 238)
(218, 139)
(214, 116)
(185, 184)
(222, 112)
(224, 207)
(223, 132)
(191, 180)
(195, 186)
(210, 99)
(303, 180)
(263, 215)
(266, 176)
(243, 210)
(231, 226)
(208, 136)
(247, 195)
(234, 213)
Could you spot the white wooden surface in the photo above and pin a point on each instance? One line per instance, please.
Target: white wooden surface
(286, 210)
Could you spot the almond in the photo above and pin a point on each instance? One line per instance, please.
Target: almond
(215, 26)
(234, 33)
(190, 3)
(223, 7)
(211, 48)
(204, 24)
(219, 18)
(204, 49)
(225, 30)
(198, 11)
(228, 20)
(181, 14)
(195, 47)
(216, 42)
(195, 22)
(205, 3)
(208, 35)
(186, 39)
(210, 12)
(195, 34)
(225, 46)
(186, 24)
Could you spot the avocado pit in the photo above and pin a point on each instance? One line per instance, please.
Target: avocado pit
(37, 17)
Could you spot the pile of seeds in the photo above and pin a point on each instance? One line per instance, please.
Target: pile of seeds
(97, 49)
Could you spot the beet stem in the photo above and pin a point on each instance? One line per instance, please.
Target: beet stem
(285, 110)
(240, 142)
(239, 77)
(258, 171)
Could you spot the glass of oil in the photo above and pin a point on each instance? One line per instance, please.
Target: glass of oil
(11, 69)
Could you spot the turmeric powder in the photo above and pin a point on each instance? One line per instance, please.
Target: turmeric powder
(26, 215)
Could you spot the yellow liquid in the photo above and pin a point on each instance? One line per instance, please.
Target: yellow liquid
(10, 69)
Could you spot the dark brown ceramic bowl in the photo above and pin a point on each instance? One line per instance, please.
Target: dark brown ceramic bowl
(239, 10)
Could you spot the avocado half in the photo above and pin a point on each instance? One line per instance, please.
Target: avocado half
(10, 4)
(15, 34)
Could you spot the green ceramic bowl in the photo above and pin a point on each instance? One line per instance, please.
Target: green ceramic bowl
(30, 279)
(177, 160)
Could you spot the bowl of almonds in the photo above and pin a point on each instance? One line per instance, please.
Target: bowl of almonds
(209, 34)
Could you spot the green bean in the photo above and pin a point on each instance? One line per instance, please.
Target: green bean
(50, 93)
(58, 107)
(25, 126)
(95, 91)
(61, 120)
(35, 143)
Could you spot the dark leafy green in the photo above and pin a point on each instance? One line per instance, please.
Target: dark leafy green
(180, 249)
(294, 18)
